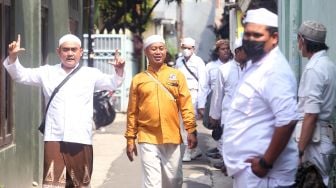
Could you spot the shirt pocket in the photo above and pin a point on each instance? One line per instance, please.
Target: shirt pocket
(243, 101)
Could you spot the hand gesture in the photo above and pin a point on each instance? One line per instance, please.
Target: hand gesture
(118, 63)
(13, 49)
(131, 148)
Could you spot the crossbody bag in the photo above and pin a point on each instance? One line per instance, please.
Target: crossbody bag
(188, 69)
(161, 86)
(42, 125)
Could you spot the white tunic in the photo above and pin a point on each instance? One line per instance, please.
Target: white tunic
(317, 95)
(228, 75)
(197, 66)
(69, 117)
(211, 72)
(265, 98)
(317, 91)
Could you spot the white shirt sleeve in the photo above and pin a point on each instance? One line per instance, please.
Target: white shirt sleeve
(201, 84)
(280, 94)
(28, 76)
(217, 97)
(108, 82)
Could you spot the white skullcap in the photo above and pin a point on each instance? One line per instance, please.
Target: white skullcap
(69, 38)
(188, 41)
(153, 39)
(238, 43)
(261, 16)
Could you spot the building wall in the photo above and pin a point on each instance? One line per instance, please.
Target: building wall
(21, 162)
(198, 23)
(292, 14)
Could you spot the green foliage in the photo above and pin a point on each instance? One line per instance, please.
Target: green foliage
(125, 14)
(121, 14)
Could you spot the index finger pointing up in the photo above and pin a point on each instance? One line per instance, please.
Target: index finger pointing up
(18, 42)
(116, 53)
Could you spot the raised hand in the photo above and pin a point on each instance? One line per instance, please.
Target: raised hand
(13, 49)
(118, 63)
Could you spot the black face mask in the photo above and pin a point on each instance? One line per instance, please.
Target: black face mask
(254, 49)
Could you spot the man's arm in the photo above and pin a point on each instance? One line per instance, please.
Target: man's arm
(131, 127)
(202, 82)
(280, 94)
(187, 111)
(307, 131)
(13, 49)
(278, 143)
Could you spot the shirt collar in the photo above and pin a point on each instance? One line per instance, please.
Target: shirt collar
(163, 66)
(318, 55)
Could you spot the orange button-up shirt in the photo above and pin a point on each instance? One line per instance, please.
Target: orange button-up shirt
(152, 115)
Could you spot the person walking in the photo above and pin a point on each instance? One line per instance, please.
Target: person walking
(68, 151)
(317, 99)
(193, 68)
(157, 97)
(257, 147)
(228, 75)
(221, 55)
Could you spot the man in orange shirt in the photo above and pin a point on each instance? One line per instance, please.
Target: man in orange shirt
(156, 97)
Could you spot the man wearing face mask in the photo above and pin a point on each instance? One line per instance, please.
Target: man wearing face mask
(317, 99)
(193, 68)
(257, 148)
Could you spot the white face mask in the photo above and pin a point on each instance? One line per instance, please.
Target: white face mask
(186, 53)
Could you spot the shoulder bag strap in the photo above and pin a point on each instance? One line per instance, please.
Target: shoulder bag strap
(191, 72)
(161, 85)
(59, 86)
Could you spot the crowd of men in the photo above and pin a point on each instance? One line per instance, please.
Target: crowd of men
(265, 125)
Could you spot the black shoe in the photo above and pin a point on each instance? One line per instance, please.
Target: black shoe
(219, 165)
(213, 150)
(214, 155)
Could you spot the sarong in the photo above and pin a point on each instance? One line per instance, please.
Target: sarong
(67, 164)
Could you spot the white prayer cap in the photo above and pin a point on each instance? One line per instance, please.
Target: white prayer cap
(153, 39)
(238, 43)
(188, 41)
(261, 16)
(69, 38)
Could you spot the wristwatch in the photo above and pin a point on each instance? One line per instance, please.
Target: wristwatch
(301, 153)
(264, 164)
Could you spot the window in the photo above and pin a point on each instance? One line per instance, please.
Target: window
(6, 101)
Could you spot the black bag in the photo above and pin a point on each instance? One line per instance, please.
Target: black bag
(104, 112)
(206, 117)
(308, 176)
(217, 132)
(42, 126)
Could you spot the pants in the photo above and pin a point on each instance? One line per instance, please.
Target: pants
(161, 165)
(321, 154)
(247, 179)
(67, 164)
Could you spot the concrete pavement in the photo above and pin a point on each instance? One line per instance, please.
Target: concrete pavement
(112, 168)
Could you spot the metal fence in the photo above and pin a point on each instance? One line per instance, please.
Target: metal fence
(104, 49)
